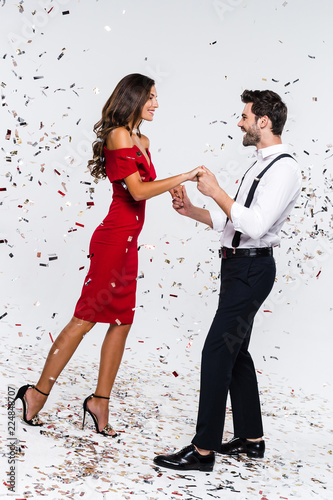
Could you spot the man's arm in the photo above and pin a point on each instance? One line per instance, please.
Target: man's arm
(275, 192)
(275, 196)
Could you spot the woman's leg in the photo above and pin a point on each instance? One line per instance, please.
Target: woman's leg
(60, 353)
(111, 354)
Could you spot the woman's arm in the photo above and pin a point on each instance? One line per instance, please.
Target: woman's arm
(144, 190)
(120, 138)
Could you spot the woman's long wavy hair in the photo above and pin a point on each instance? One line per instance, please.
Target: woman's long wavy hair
(122, 109)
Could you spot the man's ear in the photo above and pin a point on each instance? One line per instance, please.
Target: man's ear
(263, 121)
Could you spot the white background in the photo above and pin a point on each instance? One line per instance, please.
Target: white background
(202, 54)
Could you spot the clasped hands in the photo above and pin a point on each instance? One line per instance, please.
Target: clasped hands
(206, 184)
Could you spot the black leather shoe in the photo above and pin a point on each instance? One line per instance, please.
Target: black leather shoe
(187, 459)
(253, 449)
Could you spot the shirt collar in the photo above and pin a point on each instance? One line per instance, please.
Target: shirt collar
(264, 153)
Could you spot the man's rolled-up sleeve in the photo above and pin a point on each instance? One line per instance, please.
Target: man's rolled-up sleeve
(219, 219)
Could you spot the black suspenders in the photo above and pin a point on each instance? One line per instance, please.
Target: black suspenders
(237, 235)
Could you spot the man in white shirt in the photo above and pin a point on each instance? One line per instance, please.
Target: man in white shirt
(249, 227)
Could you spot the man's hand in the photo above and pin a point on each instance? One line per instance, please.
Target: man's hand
(207, 183)
(180, 201)
(177, 192)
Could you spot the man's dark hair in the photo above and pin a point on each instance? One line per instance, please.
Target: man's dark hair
(267, 103)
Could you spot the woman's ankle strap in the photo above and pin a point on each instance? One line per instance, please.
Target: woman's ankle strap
(44, 394)
(100, 397)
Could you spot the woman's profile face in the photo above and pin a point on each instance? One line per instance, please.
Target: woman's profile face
(151, 105)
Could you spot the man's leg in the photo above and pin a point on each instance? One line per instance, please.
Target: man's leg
(242, 293)
(245, 285)
(244, 395)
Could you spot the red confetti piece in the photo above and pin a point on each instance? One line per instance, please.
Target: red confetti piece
(267, 311)
(171, 295)
(80, 268)
(51, 337)
(56, 171)
(3, 189)
(175, 374)
(62, 194)
(90, 203)
(318, 274)
(78, 224)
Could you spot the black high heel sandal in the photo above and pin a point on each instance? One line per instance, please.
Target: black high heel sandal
(34, 421)
(107, 428)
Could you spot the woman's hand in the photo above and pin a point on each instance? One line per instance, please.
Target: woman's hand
(194, 175)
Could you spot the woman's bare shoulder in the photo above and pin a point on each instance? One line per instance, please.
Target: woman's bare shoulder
(119, 138)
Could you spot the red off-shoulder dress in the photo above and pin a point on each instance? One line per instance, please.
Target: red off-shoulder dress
(108, 292)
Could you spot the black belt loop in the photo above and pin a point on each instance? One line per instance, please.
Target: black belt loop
(230, 253)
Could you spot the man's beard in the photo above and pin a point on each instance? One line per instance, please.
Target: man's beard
(252, 136)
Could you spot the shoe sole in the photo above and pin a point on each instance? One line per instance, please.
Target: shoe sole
(248, 453)
(256, 455)
(202, 468)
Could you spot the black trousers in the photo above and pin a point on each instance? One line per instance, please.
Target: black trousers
(226, 363)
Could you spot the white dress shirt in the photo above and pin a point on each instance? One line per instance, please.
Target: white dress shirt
(273, 201)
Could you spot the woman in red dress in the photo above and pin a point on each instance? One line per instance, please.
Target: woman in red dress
(121, 153)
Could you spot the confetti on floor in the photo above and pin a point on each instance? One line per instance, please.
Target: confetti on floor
(154, 412)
